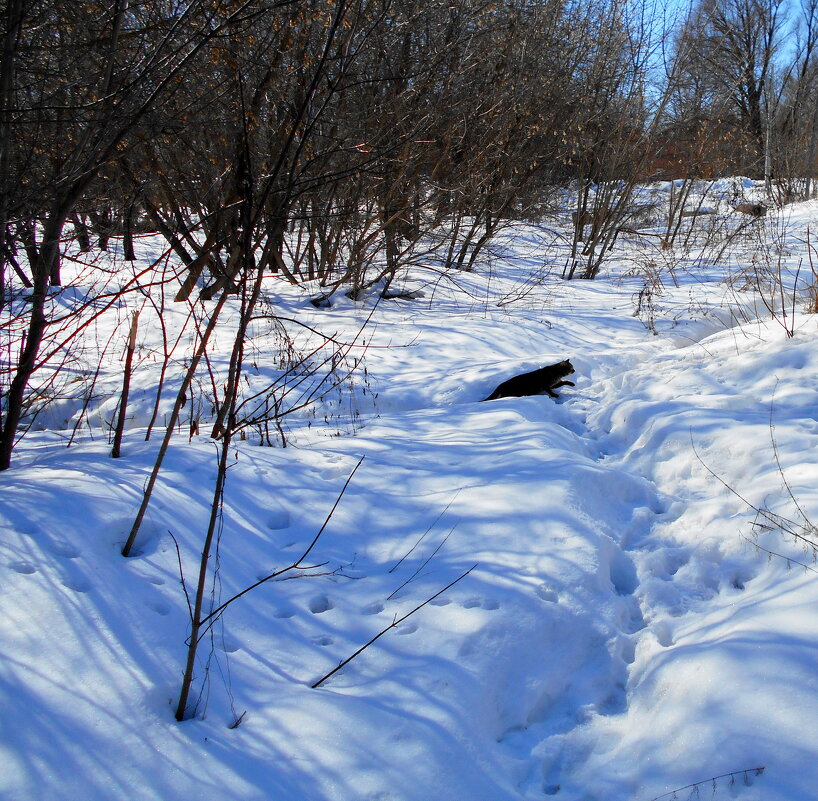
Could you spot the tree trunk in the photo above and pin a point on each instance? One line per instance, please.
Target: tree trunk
(45, 265)
(126, 385)
(14, 13)
(181, 397)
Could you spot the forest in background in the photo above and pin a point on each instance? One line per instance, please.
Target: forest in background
(204, 205)
(335, 142)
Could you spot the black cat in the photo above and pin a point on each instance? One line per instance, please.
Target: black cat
(546, 379)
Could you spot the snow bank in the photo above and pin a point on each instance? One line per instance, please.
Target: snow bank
(619, 637)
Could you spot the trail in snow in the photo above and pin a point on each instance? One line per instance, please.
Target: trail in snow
(618, 640)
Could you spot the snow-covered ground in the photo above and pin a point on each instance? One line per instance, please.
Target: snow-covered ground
(624, 633)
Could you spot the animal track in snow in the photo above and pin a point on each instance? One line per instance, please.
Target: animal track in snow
(540, 709)
(278, 519)
(633, 621)
(333, 469)
(623, 573)
(741, 577)
(663, 633)
(440, 602)
(23, 568)
(77, 585)
(160, 607)
(407, 628)
(676, 561)
(547, 594)
(332, 474)
(324, 639)
(228, 644)
(482, 603)
(615, 703)
(284, 612)
(321, 604)
(627, 650)
(65, 550)
(373, 608)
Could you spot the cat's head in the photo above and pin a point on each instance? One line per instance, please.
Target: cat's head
(565, 367)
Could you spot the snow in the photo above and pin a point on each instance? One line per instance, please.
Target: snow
(620, 637)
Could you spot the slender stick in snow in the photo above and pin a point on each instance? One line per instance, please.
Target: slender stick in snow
(394, 623)
(126, 386)
(174, 416)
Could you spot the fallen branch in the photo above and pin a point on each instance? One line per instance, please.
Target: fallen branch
(126, 386)
(394, 623)
(774, 520)
(732, 775)
(296, 565)
(422, 537)
(423, 564)
(787, 559)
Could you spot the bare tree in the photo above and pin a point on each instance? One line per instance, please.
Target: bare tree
(88, 79)
(736, 43)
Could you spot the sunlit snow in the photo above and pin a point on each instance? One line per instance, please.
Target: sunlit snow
(622, 635)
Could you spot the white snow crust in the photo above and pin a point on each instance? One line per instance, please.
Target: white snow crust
(621, 636)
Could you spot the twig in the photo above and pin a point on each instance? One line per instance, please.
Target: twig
(778, 462)
(90, 390)
(295, 565)
(732, 775)
(126, 386)
(787, 559)
(182, 574)
(425, 562)
(237, 722)
(776, 520)
(392, 625)
(434, 523)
